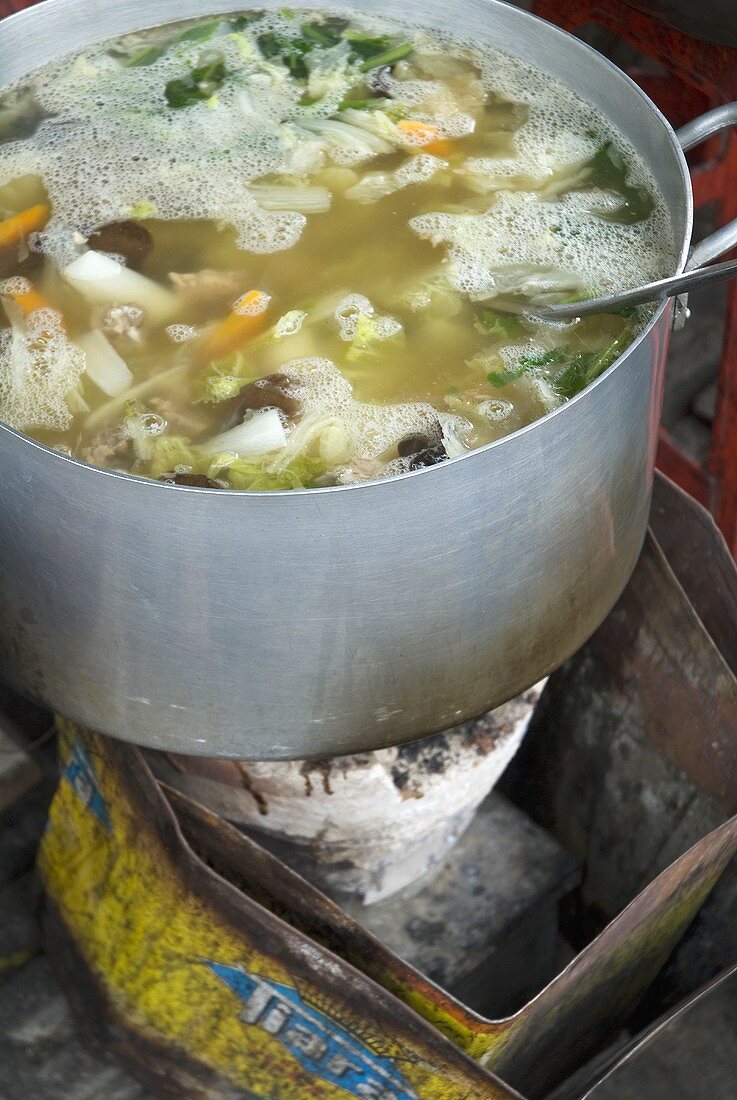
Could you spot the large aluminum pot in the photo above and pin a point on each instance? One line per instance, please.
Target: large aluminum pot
(342, 619)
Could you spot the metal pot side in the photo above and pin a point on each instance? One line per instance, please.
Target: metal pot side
(310, 624)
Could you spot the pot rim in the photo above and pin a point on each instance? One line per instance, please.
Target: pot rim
(597, 58)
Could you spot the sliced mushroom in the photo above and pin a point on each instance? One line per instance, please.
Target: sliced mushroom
(200, 481)
(429, 457)
(275, 391)
(128, 239)
(412, 445)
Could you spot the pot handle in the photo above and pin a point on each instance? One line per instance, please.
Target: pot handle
(690, 135)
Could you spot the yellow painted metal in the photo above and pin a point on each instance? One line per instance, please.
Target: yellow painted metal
(184, 958)
(263, 1007)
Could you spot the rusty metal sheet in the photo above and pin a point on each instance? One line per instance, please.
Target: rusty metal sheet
(661, 670)
(691, 1052)
(551, 1035)
(196, 987)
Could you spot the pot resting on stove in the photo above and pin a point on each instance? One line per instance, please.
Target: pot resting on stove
(360, 614)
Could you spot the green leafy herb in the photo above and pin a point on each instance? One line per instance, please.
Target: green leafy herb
(608, 170)
(499, 378)
(146, 56)
(328, 33)
(578, 369)
(366, 45)
(498, 325)
(291, 51)
(200, 85)
(201, 32)
(585, 366)
(245, 19)
(526, 363)
(362, 104)
(386, 58)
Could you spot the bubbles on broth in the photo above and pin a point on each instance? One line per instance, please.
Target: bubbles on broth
(522, 244)
(38, 370)
(373, 430)
(315, 219)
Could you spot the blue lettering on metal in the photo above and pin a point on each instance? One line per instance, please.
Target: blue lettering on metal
(320, 1046)
(81, 774)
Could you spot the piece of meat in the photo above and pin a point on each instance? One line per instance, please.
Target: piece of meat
(208, 286)
(106, 448)
(190, 420)
(123, 321)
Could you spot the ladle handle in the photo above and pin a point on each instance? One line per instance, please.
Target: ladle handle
(689, 136)
(651, 292)
(696, 272)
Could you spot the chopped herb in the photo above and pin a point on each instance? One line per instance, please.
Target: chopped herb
(387, 58)
(585, 366)
(199, 33)
(608, 170)
(147, 56)
(498, 325)
(544, 359)
(362, 104)
(578, 369)
(366, 45)
(328, 33)
(501, 378)
(526, 363)
(242, 21)
(200, 85)
(290, 51)
(592, 134)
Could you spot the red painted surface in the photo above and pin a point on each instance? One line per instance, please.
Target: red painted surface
(698, 75)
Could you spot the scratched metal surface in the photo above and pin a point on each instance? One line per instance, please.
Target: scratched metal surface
(323, 622)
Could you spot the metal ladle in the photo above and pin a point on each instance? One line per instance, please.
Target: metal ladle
(651, 292)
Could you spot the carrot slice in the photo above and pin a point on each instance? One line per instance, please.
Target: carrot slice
(14, 229)
(28, 299)
(426, 136)
(242, 323)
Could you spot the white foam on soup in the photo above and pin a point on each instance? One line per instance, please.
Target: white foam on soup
(112, 144)
(372, 429)
(523, 244)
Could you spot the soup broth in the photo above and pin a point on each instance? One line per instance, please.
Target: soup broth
(286, 250)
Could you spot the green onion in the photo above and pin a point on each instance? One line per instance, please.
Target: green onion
(386, 58)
